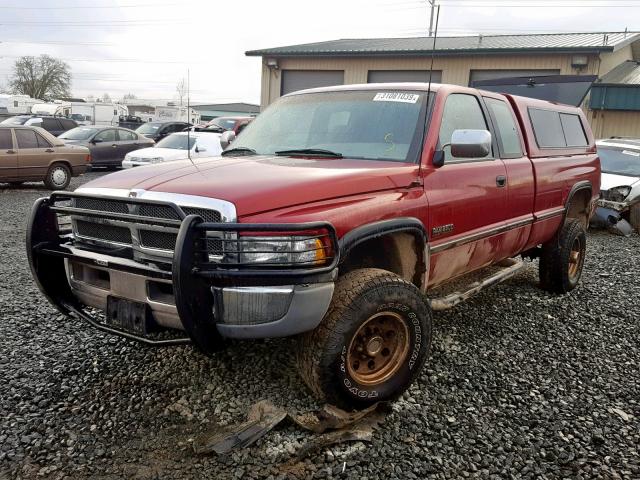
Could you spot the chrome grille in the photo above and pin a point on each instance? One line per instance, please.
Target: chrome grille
(142, 235)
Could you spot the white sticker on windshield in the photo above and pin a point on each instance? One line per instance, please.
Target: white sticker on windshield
(396, 97)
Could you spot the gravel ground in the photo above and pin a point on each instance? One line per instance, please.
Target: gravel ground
(520, 384)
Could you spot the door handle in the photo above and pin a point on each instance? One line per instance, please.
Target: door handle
(49, 150)
(501, 181)
(11, 151)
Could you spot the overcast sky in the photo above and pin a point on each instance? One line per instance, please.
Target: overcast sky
(134, 46)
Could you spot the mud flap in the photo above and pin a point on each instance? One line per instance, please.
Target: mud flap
(193, 296)
(48, 271)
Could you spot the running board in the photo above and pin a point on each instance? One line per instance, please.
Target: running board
(507, 269)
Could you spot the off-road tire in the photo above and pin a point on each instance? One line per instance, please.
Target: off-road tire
(54, 173)
(359, 296)
(556, 258)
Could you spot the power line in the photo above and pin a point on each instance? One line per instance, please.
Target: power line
(114, 60)
(87, 7)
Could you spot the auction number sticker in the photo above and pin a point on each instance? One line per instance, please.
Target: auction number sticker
(396, 97)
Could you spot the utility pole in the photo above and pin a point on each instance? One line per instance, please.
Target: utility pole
(432, 3)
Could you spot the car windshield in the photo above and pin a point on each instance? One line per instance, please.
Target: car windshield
(371, 125)
(620, 161)
(177, 142)
(79, 133)
(15, 121)
(148, 128)
(224, 124)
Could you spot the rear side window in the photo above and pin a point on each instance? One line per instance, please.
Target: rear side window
(461, 112)
(42, 143)
(6, 140)
(557, 130)
(573, 131)
(26, 139)
(67, 124)
(509, 138)
(51, 124)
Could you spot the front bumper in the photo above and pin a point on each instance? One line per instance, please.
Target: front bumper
(207, 300)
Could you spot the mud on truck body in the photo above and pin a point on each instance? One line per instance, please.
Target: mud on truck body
(334, 216)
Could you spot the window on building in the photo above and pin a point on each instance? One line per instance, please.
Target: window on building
(461, 112)
(509, 137)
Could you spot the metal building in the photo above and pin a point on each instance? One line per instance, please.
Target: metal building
(458, 60)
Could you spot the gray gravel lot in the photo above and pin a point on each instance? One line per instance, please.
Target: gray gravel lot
(520, 384)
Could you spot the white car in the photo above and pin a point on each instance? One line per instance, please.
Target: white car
(176, 147)
(620, 181)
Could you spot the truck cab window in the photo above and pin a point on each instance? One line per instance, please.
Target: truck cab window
(509, 138)
(461, 112)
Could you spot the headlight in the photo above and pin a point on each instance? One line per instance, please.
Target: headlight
(288, 250)
(617, 194)
(156, 159)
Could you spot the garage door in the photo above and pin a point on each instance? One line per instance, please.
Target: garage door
(493, 74)
(294, 80)
(390, 76)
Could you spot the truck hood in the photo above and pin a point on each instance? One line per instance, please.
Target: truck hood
(261, 183)
(610, 180)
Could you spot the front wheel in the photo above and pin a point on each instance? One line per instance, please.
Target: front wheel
(562, 259)
(372, 343)
(58, 177)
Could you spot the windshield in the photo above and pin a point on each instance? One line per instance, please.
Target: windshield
(15, 121)
(177, 142)
(148, 128)
(370, 125)
(224, 124)
(79, 133)
(76, 116)
(620, 161)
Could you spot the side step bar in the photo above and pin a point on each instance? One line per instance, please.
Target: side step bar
(510, 267)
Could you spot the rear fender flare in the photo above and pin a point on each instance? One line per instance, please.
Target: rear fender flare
(577, 187)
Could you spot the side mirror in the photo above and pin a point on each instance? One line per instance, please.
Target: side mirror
(200, 149)
(470, 143)
(226, 138)
(96, 140)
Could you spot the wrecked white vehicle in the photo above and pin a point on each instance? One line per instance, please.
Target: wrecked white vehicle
(619, 203)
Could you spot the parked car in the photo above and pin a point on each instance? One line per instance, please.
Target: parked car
(223, 124)
(176, 147)
(619, 204)
(336, 216)
(108, 145)
(30, 154)
(158, 130)
(54, 125)
(130, 121)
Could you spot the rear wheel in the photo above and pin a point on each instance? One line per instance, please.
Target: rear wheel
(372, 343)
(58, 177)
(562, 259)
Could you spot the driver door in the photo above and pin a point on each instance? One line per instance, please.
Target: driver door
(467, 197)
(104, 150)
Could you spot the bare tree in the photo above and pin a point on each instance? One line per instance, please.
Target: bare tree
(106, 98)
(181, 88)
(42, 77)
(128, 96)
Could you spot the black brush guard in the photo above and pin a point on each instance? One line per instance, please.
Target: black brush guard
(191, 271)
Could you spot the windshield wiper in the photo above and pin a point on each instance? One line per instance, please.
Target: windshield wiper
(242, 150)
(319, 152)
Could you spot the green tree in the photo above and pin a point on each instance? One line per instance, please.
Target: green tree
(42, 77)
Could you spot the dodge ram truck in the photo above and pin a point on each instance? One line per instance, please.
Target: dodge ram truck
(339, 215)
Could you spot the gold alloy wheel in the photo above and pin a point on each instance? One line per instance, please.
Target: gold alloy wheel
(575, 258)
(378, 348)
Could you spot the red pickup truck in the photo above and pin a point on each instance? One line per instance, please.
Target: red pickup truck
(340, 215)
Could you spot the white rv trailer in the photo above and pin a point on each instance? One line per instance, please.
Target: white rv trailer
(17, 104)
(84, 113)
